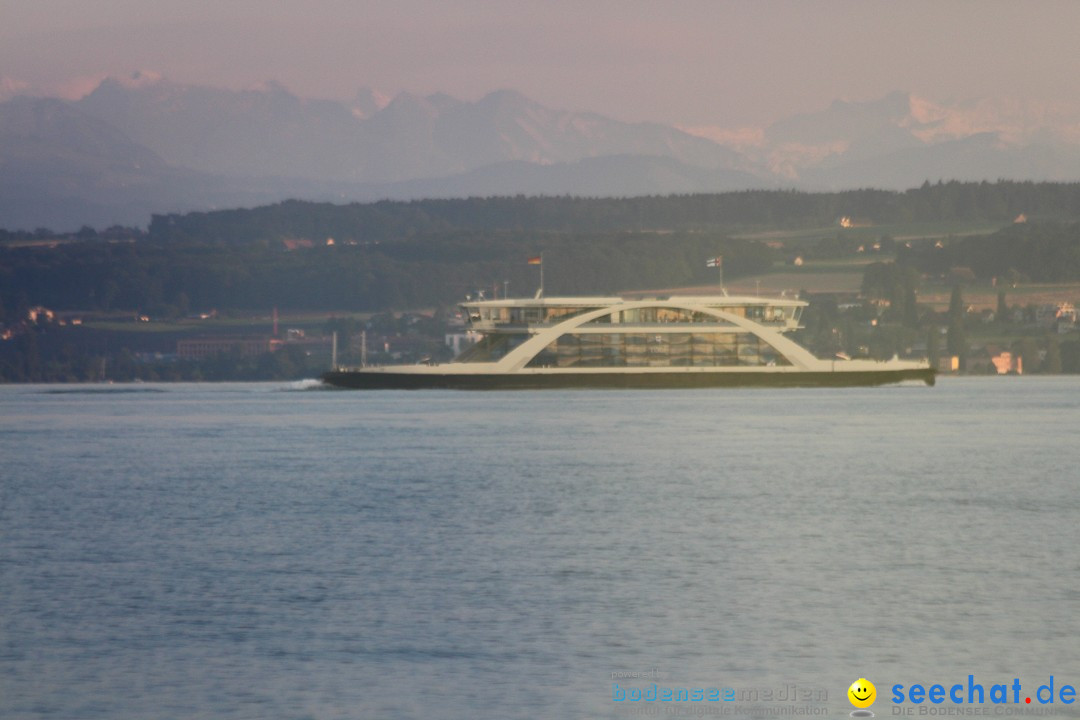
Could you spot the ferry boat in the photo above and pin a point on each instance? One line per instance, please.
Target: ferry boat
(616, 342)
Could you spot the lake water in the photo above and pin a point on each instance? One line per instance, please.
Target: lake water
(280, 551)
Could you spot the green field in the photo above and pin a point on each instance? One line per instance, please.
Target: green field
(867, 232)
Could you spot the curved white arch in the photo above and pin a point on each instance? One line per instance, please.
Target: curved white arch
(797, 355)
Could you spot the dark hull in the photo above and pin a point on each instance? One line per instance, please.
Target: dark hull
(364, 380)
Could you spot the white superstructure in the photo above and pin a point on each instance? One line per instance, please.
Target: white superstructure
(633, 334)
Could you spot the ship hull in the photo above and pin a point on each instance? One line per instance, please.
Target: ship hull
(389, 380)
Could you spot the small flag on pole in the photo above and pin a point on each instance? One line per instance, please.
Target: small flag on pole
(539, 260)
(717, 261)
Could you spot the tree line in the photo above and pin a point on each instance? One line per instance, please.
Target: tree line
(176, 278)
(392, 220)
(1023, 252)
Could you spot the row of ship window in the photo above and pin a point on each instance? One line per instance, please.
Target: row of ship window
(635, 349)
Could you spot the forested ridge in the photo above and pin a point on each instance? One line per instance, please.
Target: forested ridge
(393, 220)
(164, 278)
(399, 255)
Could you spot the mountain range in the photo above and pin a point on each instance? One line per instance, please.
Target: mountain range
(141, 145)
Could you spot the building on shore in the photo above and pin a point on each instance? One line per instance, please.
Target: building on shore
(200, 348)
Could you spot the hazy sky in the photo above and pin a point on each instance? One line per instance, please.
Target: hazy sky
(688, 62)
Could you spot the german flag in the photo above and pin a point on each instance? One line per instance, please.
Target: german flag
(536, 260)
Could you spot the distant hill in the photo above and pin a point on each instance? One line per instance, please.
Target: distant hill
(206, 148)
(606, 176)
(271, 132)
(901, 140)
(145, 145)
(974, 158)
(254, 133)
(60, 167)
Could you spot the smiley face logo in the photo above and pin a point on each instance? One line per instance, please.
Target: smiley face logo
(862, 693)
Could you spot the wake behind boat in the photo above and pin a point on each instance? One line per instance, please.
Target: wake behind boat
(614, 342)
